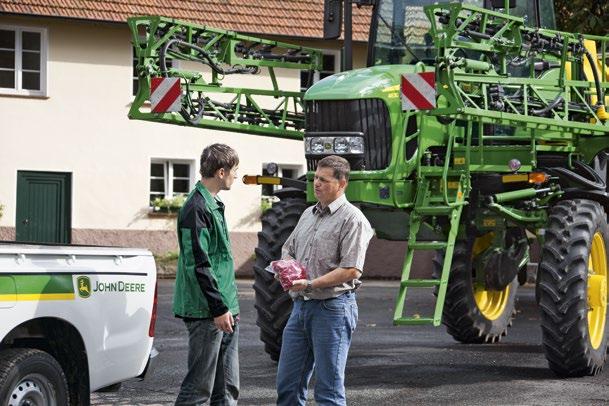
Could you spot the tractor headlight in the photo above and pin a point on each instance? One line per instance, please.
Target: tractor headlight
(307, 145)
(334, 145)
(341, 145)
(317, 145)
(356, 145)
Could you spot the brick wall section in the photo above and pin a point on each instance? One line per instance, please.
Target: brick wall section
(384, 259)
(7, 233)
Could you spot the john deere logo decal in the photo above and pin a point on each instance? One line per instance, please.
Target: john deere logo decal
(84, 286)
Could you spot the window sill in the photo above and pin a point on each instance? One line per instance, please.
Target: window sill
(25, 96)
(162, 214)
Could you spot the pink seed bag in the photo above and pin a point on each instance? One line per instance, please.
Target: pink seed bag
(289, 270)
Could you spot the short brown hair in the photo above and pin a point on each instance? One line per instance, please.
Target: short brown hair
(216, 156)
(340, 166)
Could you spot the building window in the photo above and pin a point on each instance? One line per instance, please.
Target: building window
(23, 60)
(134, 77)
(330, 66)
(169, 179)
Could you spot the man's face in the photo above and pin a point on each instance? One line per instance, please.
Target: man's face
(326, 187)
(227, 177)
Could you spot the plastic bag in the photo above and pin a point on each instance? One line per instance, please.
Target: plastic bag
(288, 271)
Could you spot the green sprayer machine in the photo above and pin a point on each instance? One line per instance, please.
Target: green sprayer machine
(475, 129)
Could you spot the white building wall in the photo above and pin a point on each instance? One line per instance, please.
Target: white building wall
(82, 128)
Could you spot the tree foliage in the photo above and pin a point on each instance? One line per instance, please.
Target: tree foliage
(583, 16)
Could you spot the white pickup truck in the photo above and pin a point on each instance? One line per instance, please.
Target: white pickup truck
(73, 320)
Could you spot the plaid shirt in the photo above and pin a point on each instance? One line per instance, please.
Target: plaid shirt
(325, 239)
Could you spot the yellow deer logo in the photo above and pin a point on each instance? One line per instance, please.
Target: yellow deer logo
(84, 286)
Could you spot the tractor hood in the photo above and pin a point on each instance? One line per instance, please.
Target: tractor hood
(374, 82)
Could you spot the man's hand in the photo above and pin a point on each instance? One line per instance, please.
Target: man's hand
(298, 285)
(225, 322)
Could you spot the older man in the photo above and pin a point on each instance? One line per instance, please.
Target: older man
(330, 240)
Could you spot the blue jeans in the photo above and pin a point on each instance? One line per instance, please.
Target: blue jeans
(213, 365)
(317, 336)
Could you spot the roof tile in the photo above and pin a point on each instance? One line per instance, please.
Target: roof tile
(301, 18)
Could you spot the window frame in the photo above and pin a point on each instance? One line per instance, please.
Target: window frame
(168, 177)
(44, 53)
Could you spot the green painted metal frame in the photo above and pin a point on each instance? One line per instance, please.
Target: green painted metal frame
(242, 109)
(424, 207)
(465, 88)
(475, 48)
(430, 204)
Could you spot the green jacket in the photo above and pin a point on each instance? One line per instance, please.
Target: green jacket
(205, 279)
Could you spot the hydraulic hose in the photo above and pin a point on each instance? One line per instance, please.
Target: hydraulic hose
(195, 115)
(551, 106)
(585, 176)
(601, 112)
(210, 62)
(597, 79)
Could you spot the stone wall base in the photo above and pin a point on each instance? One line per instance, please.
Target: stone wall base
(384, 259)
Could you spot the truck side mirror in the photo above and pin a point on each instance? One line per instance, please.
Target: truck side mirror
(333, 17)
(501, 3)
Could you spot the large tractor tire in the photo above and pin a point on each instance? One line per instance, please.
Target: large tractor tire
(572, 288)
(472, 313)
(273, 305)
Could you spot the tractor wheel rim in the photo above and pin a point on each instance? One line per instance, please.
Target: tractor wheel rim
(597, 290)
(491, 303)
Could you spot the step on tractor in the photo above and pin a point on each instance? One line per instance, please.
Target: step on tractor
(476, 129)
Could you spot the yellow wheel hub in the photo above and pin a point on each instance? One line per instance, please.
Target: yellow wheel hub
(597, 290)
(491, 303)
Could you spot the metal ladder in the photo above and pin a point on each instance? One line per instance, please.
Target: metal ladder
(428, 204)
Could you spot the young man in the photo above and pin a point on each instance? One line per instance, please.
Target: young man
(330, 240)
(205, 292)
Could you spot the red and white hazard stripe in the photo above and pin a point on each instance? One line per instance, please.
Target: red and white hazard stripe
(165, 95)
(418, 91)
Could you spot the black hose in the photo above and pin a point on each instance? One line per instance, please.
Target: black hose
(210, 62)
(516, 62)
(597, 80)
(193, 116)
(545, 110)
(477, 35)
(589, 180)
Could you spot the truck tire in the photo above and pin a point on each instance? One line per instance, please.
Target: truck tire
(572, 288)
(30, 376)
(471, 313)
(273, 305)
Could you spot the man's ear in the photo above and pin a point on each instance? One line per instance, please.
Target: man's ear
(342, 183)
(221, 173)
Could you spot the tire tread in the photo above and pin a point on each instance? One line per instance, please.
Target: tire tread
(273, 305)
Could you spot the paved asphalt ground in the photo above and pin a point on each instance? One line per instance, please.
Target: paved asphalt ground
(387, 365)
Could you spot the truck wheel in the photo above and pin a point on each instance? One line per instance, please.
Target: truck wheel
(472, 313)
(572, 288)
(31, 377)
(273, 305)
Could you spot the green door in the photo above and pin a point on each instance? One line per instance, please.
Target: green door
(43, 207)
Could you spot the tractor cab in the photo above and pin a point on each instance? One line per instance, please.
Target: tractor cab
(399, 30)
